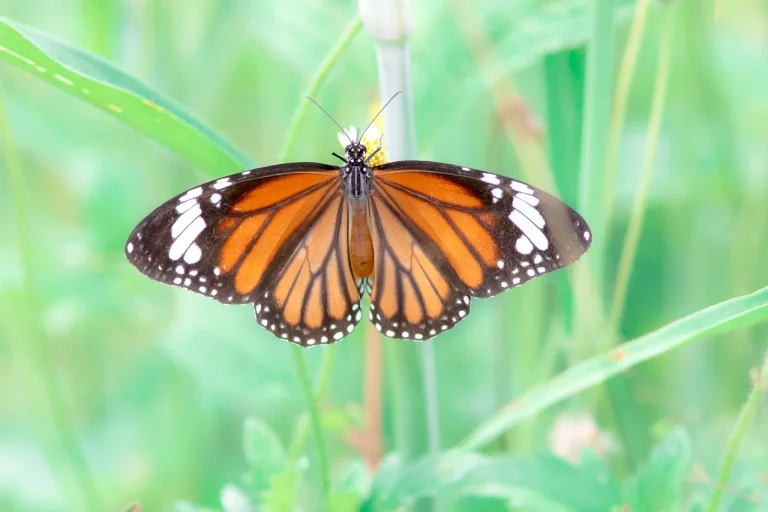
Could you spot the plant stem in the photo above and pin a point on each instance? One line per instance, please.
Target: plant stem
(312, 397)
(746, 416)
(597, 118)
(626, 74)
(321, 386)
(721, 318)
(47, 400)
(389, 23)
(638, 211)
(314, 84)
(369, 440)
(316, 422)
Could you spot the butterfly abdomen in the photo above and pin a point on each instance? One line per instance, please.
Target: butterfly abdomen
(360, 244)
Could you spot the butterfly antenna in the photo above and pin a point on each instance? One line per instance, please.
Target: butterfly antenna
(332, 119)
(377, 115)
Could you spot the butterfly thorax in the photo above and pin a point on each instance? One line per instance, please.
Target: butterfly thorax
(355, 174)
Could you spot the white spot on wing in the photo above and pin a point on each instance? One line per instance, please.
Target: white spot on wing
(531, 200)
(186, 205)
(182, 243)
(193, 254)
(129, 247)
(191, 194)
(523, 245)
(222, 183)
(491, 178)
(184, 220)
(216, 198)
(529, 211)
(521, 187)
(587, 234)
(529, 229)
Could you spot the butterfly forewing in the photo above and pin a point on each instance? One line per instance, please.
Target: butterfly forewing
(444, 233)
(236, 239)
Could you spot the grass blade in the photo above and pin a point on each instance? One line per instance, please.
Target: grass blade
(746, 416)
(723, 317)
(48, 403)
(106, 87)
(597, 120)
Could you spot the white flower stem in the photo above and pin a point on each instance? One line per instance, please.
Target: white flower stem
(389, 23)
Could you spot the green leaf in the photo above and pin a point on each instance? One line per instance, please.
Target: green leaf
(263, 451)
(103, 85)
(552, 27)
(543, 482)
(185, 506)
(658, 484)
(344, 501)
(281, 495)
(726, 316)
(396, 485)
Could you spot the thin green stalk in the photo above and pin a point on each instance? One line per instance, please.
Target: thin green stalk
(597, 119)
(638, 211)
(389, 24)
(745, 418)
(313, 86)
(719, 319)
(316, 422)
(321, 386)
(430, 390)
(46, 397)
(313, 396)
(626, 74)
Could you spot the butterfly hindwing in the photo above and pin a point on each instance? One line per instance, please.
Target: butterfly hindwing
(316, 298)
(479, 234)
(414, 292)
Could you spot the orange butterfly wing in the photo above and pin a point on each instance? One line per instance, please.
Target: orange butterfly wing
(275, 236)
(443, 234)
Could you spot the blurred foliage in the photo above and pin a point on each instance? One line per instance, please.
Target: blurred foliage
(180, 403)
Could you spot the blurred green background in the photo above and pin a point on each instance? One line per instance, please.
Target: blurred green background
(119, 389)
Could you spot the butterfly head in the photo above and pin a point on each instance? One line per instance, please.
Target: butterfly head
(356, 153)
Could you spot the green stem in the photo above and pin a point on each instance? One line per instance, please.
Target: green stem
(312, 397)
(597, 118)
(316, 422)
(626, 73)
(314, 84)
(746, 416)
(419, 416)
(638, 211)
(727, 316)
(47, 396)
(321, 386)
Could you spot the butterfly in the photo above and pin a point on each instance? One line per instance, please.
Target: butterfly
(304, 242)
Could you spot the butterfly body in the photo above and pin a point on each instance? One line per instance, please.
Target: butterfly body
(304, 242)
